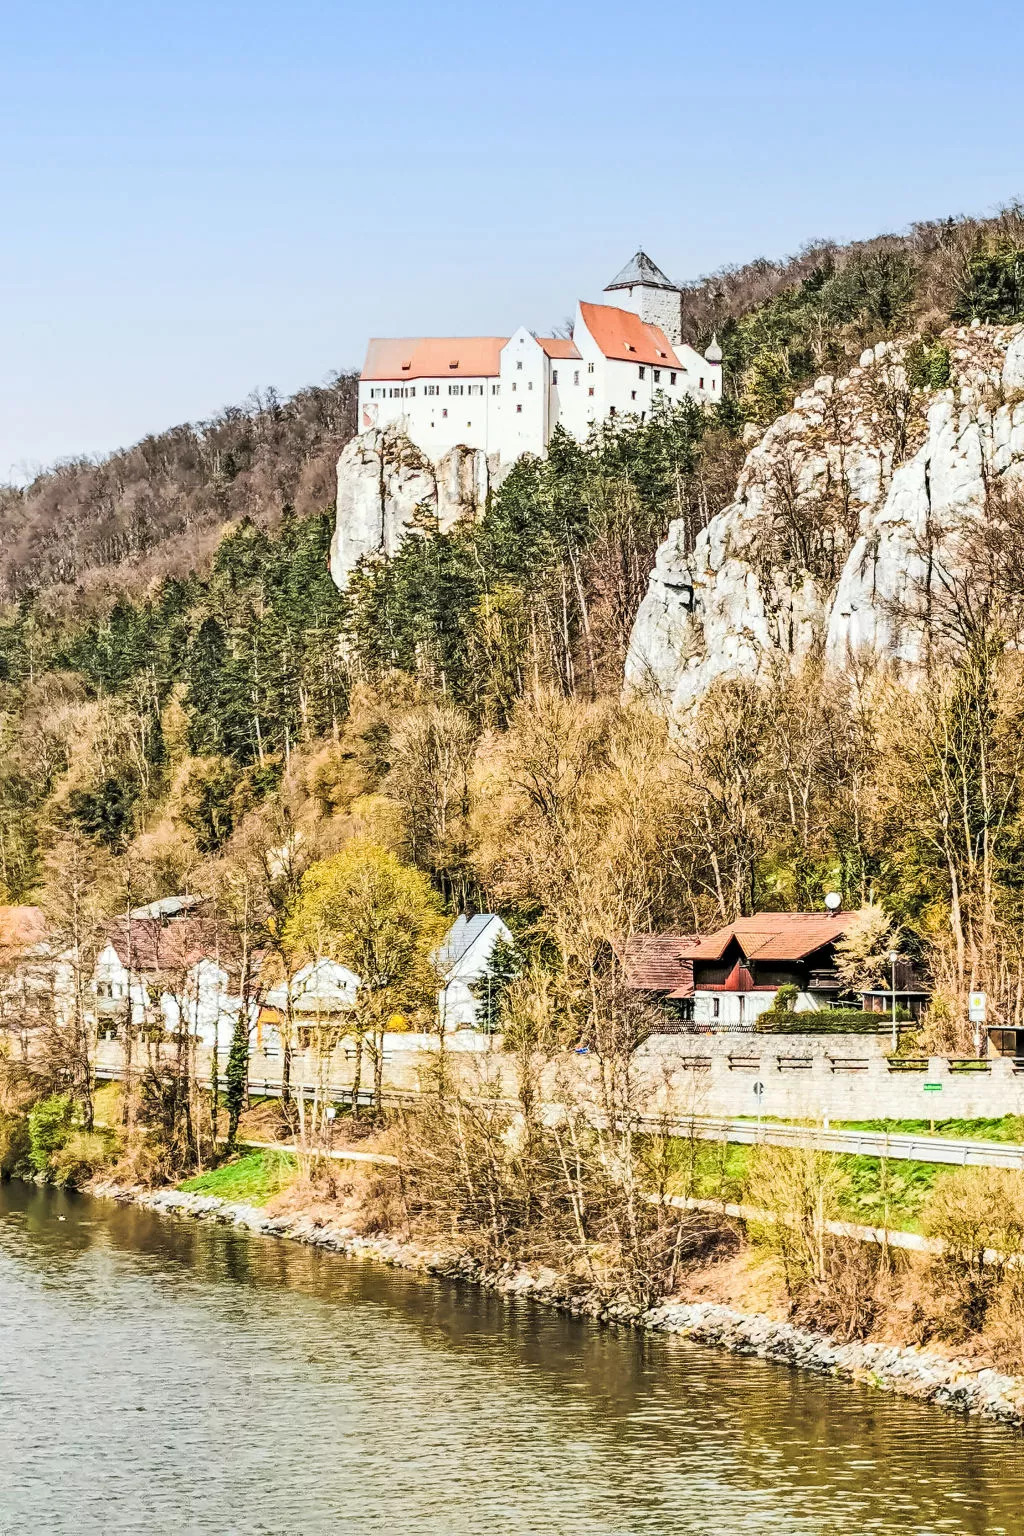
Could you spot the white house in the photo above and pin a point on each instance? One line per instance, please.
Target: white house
(463, 960)
(506, 395)
(322, 992)
(168, 969)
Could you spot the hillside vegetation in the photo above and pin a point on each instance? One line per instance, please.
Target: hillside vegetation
(459, 705)
(161, 505)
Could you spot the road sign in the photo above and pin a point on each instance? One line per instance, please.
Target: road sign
(932, 1087)
(977, 1005)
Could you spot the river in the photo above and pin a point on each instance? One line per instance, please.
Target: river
(167, 1376)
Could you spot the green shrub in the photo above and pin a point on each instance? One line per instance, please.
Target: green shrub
(49, 1129)
(829, 1021)
(82, 1155)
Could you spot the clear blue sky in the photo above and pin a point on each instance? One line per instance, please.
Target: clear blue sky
(199, 198)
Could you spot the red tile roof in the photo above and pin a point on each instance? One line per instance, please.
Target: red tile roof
(776, 935)
(659, 962)
(433, 357)
(558, 346)
(624, 336)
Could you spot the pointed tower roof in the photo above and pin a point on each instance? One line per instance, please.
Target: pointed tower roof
(641, 269)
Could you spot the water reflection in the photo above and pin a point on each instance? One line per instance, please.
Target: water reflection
(158, 1375)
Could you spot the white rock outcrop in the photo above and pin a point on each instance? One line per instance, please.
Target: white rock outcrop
(385, 484)
(826, 542)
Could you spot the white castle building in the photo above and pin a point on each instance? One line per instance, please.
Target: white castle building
(506, 394)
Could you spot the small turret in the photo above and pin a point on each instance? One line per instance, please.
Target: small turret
(714, 352)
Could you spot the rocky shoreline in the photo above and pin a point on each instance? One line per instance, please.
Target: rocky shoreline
(907, 1371)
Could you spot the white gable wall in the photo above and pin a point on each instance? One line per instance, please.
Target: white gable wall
(457, 1006)
(522, 405)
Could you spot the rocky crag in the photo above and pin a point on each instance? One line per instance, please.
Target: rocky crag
(844, 510)
(386, 485)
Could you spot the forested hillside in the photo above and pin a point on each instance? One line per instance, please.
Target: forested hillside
(460, 703)
(161, 505)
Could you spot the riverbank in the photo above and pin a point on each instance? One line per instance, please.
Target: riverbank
(908, 1371)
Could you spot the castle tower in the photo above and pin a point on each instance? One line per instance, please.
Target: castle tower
(643, 288)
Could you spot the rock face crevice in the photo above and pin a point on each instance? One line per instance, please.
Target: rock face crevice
(833, 527)
(386, 484)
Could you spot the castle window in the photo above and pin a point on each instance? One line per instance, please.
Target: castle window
(412, 393)
(576, 376)
(671, 378)
(643, 371)
(712, 384)
(495, 388)
(632, 394)
(590, 367)
(590, 391)
(702, 383)
(715, 1007)
(444, 410)
(611, 408)
(554, 375)
(530, 385)
(519, 410)
(520, 367)
(513, 386)
(657, 375)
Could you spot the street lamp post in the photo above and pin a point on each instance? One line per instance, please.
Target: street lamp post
(893, 957)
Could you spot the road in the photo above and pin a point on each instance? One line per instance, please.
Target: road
(925, 1149)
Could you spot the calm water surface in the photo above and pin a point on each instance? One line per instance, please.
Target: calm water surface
(163, 1376)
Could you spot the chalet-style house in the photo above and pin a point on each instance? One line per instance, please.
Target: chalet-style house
(738, 970)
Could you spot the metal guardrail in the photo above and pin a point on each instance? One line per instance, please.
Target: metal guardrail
(955, 1152)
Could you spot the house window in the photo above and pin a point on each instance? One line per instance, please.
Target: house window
(671, 378)
(590, 367)
(513, 387)
(657, 375)
(575, 375)
(530, 385)
(554, 375)
(519, 410)
(520, 367)
(632, 394)
(444, 411)
(611, 408)
(702, 383)
(495, 388)
(642, 371)
(590, 391)
(715, 1007)
(712, 384)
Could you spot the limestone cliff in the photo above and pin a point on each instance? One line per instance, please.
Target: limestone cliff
(385, 481)
(835, 510)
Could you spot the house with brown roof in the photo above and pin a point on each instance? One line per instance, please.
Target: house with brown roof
(505, 395)
(737, 971)
(174, 969)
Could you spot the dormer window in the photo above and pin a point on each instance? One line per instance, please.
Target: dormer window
(454, 363)
(407, 365)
